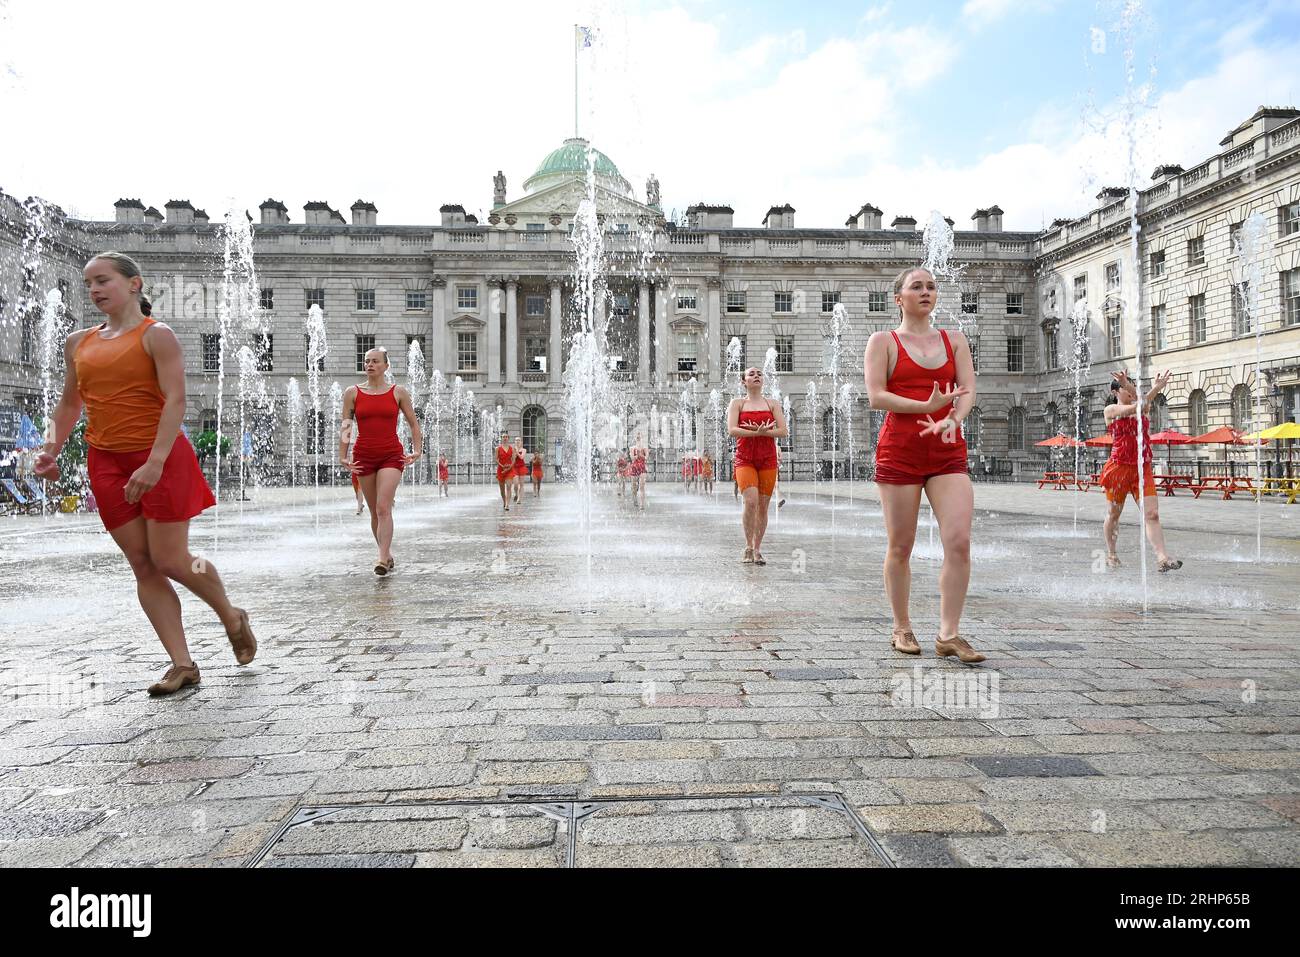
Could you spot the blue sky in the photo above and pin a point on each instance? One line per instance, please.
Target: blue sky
(912, 106)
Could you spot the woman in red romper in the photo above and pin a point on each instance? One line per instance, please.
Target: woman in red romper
(1119, 477)
(505, 468)
(915, 373)
(755, 423)
(129, 374)
(521, 467)
(378, 458)
(636, 471)
(444, 475)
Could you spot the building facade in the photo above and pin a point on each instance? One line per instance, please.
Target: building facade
(492, 303)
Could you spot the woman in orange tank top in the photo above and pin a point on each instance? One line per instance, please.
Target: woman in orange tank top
(916, 453)
(129, 374)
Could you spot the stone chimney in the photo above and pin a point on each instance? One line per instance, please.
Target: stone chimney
(336, 218)
(179, 212)
(1110, 194)
(780, 217)
(981, 220)
(1166, 171)
(317, 213)
(452, 215)
(153, 217)
(274, 213)
(995, 219)
(704, 216)
(201, 217)
(364, 214)
(904, 224)
(868, 217)
(129, 211)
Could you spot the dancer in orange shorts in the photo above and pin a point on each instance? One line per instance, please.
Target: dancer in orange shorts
(1119, 476)
(129, 374)
(756, 423)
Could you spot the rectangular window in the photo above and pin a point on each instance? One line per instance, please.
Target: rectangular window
(1053, 350)
(315, 297)
(687, 343)
(210, 346)
(266, 298)
(785, 353)
(1196, 314)
(1289, 219)
(1080, 287)
(1291, 297)
(535, 307)
(466, 351)
(1195, 252)
(467, 298)
(208, 421)
(28, 347)
(424, 347)
(620, 228)
(829, 301)
(622, 304)
(1115, 332)
(1015, 354)
(416, 300)
(535, 233)
(686, 301)
(877, 301)
(1015, 304)
(365, 300)
(1112, 277)
(735, 300)
(364, 345)
(970, 303)
(783, 302)
(1241, 308)
(264, 350)
(306, 356)
(534, 353)
(1158, 327)
(1157, 264)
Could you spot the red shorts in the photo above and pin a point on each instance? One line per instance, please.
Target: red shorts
(892, 475)
(180, 494)
(1121, 481)
(442, 475)
(371, 461)
(749, 477)
(904, 457)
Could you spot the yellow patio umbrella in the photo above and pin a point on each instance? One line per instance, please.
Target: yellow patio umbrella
(1287, 430)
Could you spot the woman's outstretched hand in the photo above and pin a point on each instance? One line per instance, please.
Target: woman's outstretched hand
(940, 397)
(945, 427)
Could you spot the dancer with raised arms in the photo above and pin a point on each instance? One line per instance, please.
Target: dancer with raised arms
(129, 374)
(924, 379)
(755, 423)
(378, 458)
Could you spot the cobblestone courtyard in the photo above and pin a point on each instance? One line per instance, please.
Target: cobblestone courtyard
(701, 694)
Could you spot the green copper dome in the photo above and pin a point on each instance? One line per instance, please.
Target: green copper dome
(571, 160)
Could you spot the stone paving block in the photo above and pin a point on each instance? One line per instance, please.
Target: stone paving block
(1042, 766)
(1154, 849)
(1048, 815)
(49, 851)
(539, 772)
(845, 852)
(190, 770)
(1280, 848)
(326, 837)
(996, 745)
(507, 834)
(919, 850)
(348, 861)
(934, 790)
(595, 732)
(935, 818)
(633, 855)
(22, 825)
(1013, 850)
(1214, 815)
(658, 829)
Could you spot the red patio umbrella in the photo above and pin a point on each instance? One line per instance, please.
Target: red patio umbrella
(1061, 440)
(1097, 441)
(1224, 436)
(1170, 437)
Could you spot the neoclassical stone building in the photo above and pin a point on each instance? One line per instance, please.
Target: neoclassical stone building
(491, 302)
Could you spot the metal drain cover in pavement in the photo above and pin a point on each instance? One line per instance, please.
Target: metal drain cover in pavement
(791, 830)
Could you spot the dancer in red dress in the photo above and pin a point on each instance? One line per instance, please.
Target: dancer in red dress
(129, 374)
(378, 458)
(521, 468)
(444, 474)
(537, 471)
(1119, 477)
(755, 423)
(916, 372)
(505, 468)
(636, 471)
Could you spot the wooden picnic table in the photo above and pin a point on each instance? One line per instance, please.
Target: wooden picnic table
(1227, 484)
(1167, 483)
(1060, 480)
(1290, 487)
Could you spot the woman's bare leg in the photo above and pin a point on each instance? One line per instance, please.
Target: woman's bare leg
(901, 505)
(760, 520)
(1155, 534)
(157, 596)
(952, 497)
(1110, 528)
(386, 482)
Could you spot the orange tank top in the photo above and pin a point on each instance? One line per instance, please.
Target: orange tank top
(119, 385)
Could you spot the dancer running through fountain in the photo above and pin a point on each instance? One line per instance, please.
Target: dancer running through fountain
(521, 468)
(537, 470)
(1119, 476)
(916, 453)
(444, 475)
(636, 471)
(505, 468)
(129, 373)
(755, 423)
(378, 458)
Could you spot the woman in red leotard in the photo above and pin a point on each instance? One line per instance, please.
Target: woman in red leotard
(444, 474)
(505, 468)
(755, 423)
(521, 467)
(916, 372)
(1119, 477)
(378, 458)
(636, 471)
(537, 470)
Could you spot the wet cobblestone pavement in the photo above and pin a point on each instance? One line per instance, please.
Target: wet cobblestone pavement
(677, 698)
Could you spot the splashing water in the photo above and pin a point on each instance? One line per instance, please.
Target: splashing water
(317, 350)
(336, 414)
(293, 403)
(1255, 249)
(415, 383)
(237, 314)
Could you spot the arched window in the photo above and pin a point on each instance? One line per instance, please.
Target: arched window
(534, 425)
(972, 429)
(1243, 409)
(208, 420)
(1197, 414)
(1016, 430)
(1160, 413)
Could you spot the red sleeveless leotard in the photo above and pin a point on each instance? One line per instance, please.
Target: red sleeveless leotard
(505, 462)
(903, 455)
(756, 451)
(378, 446)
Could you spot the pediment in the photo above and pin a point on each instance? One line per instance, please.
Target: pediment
(467, 323)
(687, 324)
(565, 198)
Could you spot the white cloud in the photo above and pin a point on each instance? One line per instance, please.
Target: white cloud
(983, 12)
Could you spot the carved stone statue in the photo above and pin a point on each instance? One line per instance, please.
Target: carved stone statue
(499, 189)
(652, 190)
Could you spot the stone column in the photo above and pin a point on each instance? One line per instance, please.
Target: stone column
(556, 352)
(643, 334)
(512, 330)
(438, 352)
(712, 360)
(489, 314)
(663, 332)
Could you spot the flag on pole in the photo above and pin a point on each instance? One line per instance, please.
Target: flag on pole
(585, 36)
